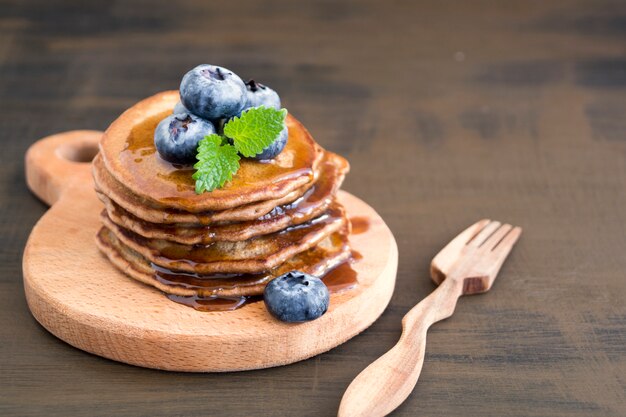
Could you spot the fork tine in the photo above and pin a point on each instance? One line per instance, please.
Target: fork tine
(468, 234)
(484, 234)
(454, 247)
(493, 240)
(506, 244)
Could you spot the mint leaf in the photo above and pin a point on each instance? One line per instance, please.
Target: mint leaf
(250, 133)
(255, 129)
(216, 164)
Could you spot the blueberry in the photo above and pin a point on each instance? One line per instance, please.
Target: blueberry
(258, 94)
(213, 92)
(179, 108)
(296, 297)
(275, 147)
(177, 136)
(218, 123)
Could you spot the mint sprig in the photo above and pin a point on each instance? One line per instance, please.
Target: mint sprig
(255, 129)
(217, 163)
(250, 134)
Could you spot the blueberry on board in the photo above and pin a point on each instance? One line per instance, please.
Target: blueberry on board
(176, 137)
(179, 108)
(213, 92)
(275, 147)
(296, 297)
(258, 94)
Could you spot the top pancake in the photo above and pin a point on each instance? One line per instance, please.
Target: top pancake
(128, 152)
(109, 189)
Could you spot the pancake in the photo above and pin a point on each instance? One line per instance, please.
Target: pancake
(273, 216)
(251, 256)
(318, 260)
(128, 153)
(110, 190)
(312, 204)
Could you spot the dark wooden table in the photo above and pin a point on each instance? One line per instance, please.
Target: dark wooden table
(448, 111)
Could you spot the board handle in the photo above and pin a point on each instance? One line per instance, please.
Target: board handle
(56, 162)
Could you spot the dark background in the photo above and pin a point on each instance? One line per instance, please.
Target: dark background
(449, 111)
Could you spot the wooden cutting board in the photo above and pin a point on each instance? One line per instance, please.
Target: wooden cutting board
(75, 293)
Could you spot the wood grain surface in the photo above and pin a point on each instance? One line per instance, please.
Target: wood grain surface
(448, 112)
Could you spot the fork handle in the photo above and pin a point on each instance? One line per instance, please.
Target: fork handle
(386, 383)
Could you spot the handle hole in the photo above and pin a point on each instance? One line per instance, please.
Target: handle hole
(83, 152)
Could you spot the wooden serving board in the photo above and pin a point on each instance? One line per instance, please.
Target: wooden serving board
(75, 293)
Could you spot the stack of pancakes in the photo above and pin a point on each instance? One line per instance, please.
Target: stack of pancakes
(273, 217)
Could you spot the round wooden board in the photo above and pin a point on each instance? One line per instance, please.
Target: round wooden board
(75, 293)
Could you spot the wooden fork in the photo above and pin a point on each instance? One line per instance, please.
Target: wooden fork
(467, 265)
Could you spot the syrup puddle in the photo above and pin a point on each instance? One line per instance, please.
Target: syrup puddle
(360, 224)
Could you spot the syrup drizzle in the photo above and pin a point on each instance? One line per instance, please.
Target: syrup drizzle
(341, 278)
(212, 303)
